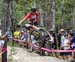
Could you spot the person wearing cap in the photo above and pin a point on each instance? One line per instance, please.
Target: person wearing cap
(62, 39)
(32, 16)
(59, 36)
(62, 32)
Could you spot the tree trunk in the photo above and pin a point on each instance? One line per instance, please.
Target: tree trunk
(13, 17)
(5, 24)
(73, 16)
(53, 14)
(13, 14)
(62, 9)
(41, 16)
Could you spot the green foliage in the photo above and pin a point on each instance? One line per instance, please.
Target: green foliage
(67, 10)
(22, 7)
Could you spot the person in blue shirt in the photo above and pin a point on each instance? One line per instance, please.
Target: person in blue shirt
(72, 40)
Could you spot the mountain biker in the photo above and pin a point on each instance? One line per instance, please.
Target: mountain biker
(32, 16)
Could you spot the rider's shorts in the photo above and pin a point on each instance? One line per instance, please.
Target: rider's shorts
(33, 23)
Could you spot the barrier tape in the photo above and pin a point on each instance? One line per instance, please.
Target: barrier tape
(45, 49)
(57, 50)
(3, 50)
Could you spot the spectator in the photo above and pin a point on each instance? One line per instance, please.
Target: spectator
(60, 37)
(72, 42)
(66, 46)
(17, 34)
(2, 41)
(23, 37)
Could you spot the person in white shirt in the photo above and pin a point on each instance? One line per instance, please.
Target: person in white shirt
(66, 46)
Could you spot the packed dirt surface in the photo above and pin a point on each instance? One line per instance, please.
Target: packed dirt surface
(22, 55)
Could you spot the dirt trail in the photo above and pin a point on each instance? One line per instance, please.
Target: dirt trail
(21, 55)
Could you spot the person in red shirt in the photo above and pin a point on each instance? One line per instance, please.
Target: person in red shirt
(33, 17)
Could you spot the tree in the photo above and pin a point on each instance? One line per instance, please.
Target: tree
(53, 14)
(5, 24)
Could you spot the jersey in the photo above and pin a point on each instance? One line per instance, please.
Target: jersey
(32, 17)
